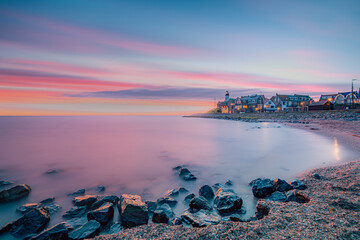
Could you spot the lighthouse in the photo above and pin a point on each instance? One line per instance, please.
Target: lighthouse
(227, 96)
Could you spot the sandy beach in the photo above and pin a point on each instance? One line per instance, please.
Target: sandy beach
(334, 206)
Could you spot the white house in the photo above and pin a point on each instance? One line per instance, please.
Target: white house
(270, 106)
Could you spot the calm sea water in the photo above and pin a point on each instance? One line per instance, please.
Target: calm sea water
(136, 154)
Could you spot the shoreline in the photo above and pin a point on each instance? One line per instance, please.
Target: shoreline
(332, 212)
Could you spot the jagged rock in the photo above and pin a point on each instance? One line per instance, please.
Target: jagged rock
(216, 186)
(182, 190)
(262, 209)
(200, 218)
(110, 198)
(115, 228)
(86, 200)
(47, 201)
(103, 214)
(200, 203)
(133, 211)
(297, 196)
(253, 181)
(297, 184)
(163, 214)
(177, 221)
(101, 188)
(75, 212)
(89, 230)
(58, 232)
(5, 183)
(32, 222)
(189, 197)
(185, 174)
(228, 183)
(77, 222)
(151, 205)
(172, 192)
(14, 193)
(78, 192)
(27, 207)
(282, 185)
(168, 200)
(206, 192)
(263, 187)
(177, 168)
(277, 197)
(53, 208)
(227, 201)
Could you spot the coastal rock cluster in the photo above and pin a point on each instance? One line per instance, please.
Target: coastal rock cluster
(92, 214)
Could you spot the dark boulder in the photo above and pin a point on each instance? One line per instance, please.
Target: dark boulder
(86, 200)
(58, 232)
(52, 171)
(89, 230)
(151, 205)
(103, 214)
(200, 218)
(182, 190)
(262, 209)
(238, 218)
(32, 222)
(216, 186)
(78, 192)
(133, 211)
(185, 174)
(172, 192)
(316, 176)
(297, 184)
(109, 198)
(48, 200)
(297, 196)
(27, 207)
(263, 187)
(14, 193)
(75, 212)
(189, 197)
(228, 183)
(227, 201)
(253, 181)
(282, 185)
(5, 183)
(200, 203)
(101, 188)
(277, 197)
(77, 222)
(177, 221)
(168, 200)
(163, 214)
(206, 192)
(53, 208)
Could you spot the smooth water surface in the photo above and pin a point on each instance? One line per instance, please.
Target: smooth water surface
(136, 154)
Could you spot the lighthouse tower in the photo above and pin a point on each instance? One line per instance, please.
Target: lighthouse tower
(227, 96)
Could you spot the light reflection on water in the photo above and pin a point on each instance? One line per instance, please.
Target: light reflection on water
(136, 155)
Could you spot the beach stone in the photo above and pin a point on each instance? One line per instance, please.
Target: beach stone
(206, 192)
(5, 183)
(103, 214)
(189, 197)
(88, 230)
(177, 221)
(201, 218)
(77, 222)
(297, 196)
(32, 222)
(58, 232)
(182, 190)
(133, 211)
(78, 192)
(262, 209)
(282, 185)
(151, 205)
(86, 200)
(316, 176)
(163, 214)
(172, 192)
(200, 203)
(277, 197)
(238, 218)
(297, 184)
(263, 187)
(227, 201)
(27, 207)
(115, 228)
(14, 193)
(185, 174)
(75, 212)
(101, 188)
(109, 198)
(168, 200)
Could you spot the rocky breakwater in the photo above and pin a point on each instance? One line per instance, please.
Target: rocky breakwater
(133, 211)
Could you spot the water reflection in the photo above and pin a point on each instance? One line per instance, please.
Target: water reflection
(336, 150)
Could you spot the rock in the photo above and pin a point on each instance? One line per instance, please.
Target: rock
(177, 168)
(53, 208)
(189, 197)
(297, 184)
(228, 183)
(27, 207)
(52, 171)
(316, 176)
(115, 228)
(103, 214)
(86, 200)
(101, 188)
(216, 186)
(163, 214)
(206, 192)
(297, 196)
(177, 221)
(182, 190)
(168, 200)
(58, 232)
(77, 222)
(47, 201)
(253, 181)
(238, 218)
(172, 192)
(277, 197)
(32, 222)
(133, 211)
(78, 192)
(151, 205)
(200, 203)
(262, 209)
(110, 198)
(262, 188)
(185, 174)
(75, 212)
(89, 230)
(282, 185)
(5, 183)
(14, 193)
(200, 218)
(227, 201)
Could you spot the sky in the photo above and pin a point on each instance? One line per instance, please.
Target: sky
(163, 57)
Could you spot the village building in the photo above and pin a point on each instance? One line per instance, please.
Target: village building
(292, 103)
(269, 106)
(252, 103)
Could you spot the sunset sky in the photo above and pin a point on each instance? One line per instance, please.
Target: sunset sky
(90, 57)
